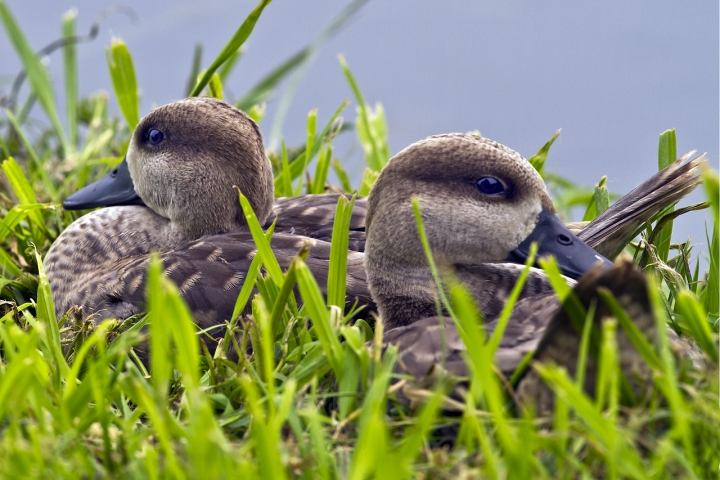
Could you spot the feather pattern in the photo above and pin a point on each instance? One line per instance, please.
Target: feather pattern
(459, 223)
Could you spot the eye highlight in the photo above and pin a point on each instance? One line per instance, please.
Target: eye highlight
(155, 136)
(490, 186)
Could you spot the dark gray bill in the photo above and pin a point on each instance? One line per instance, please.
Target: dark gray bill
(114, 189)
(553, 238)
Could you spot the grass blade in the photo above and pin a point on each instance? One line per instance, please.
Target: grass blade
(538, 160)
(71, 82)
(22, 189)
(375, 139)
(262, 243)
(122, 73)
(36, 72)
(667, 154)
(302, 66)
(337, 272)
(231, 47)
(697, 322)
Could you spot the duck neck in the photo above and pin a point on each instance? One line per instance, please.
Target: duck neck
(404, 293)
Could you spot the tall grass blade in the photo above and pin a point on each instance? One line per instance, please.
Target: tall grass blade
(337, 271)
(600, 201)
(24, 192)
(263, 433)
(46, 315)
(696, 320)
(215, 88)
(322, 169)
(262, 243)
(36, 73)
(315, 306)
(237, 40)
(667, 154)
(298, 165)
(71, 72)
(374, 139)
(194, 69)
(538, 160)
(711, 293)
(300, 63)
(122, 73)
(160, 330)
(39, 169)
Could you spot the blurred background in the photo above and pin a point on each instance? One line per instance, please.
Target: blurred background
(612, 75)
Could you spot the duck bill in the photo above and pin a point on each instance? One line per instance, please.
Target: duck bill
(573, 256)
(114, 189)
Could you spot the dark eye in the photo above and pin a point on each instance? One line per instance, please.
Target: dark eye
(155, 136)
(490, 186)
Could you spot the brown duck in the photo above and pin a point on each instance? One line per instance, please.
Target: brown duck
(482, 204)
(174, 194)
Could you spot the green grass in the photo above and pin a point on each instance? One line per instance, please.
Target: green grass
(311, 400)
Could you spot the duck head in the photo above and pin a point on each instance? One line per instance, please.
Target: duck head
(183, 161)
(481, 203)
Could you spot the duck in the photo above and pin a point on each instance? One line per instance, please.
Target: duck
(312, 215)
(482, 205)
(174, 193)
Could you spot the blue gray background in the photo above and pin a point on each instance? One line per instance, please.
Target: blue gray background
(613, 75)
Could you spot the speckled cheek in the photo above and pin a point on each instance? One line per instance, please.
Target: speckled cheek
(527, 224)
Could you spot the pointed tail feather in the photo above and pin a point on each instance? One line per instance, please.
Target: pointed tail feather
(613, 229)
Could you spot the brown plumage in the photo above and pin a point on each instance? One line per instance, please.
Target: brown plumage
(472, 233)
(312, 216)
(193, 219)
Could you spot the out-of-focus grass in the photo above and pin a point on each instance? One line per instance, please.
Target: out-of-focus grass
(311, 400)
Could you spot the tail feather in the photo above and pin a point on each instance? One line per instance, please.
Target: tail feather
(613, 229)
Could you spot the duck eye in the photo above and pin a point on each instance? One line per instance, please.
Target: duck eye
(155, 136)
(490, 186)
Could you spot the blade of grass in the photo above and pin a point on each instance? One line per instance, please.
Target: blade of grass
(315, 306)
(266, 438)
(599, 202)
(194, 69)
(122, 73)
(538, 160)
(375, 158)
(697, 322)
(215, 88)
(300, 64)
(667, 154)
(36, 72)
(337, 272)
(237, 40)
(342, 176)
(504, 318)
(321, 170)
(26, 196)
(46, 316)
(285, 184)
(262, 243)
(669, 384)
(71, 81)
(39, 169)
(298, 165)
